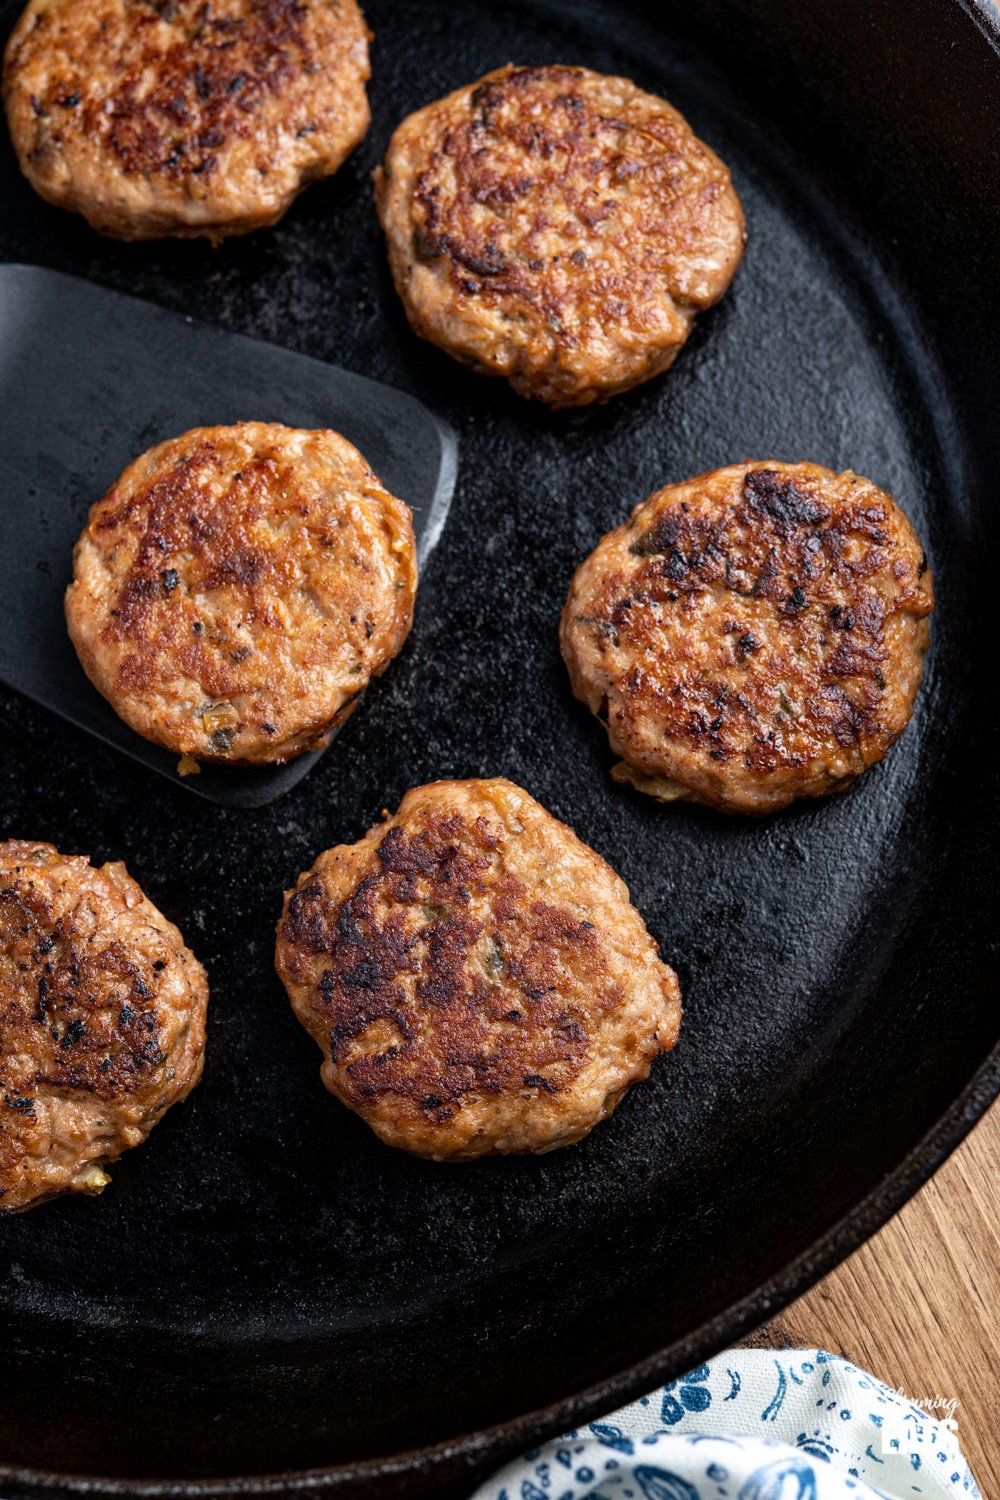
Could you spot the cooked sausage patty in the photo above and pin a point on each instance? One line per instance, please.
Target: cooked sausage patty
(237, 587)
(557, 227)
(184, 117)
(752, 636)
(102, 1021)
(475, 976)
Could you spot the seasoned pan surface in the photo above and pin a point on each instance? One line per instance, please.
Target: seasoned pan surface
(265, 1289)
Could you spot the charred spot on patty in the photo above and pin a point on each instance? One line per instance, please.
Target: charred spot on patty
(779, 498)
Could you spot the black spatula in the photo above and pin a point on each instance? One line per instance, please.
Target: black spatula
(89, 379)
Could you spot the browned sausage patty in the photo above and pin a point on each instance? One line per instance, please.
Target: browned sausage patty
(475, 976)
(752, 636)
(557, 227)
(237, 587)
(102, 1021)
(184, 117)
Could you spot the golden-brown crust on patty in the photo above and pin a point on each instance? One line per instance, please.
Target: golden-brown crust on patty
(236, 589)
(753, 635)
(557, 227)
(102, 1021)
(475, 975)
(180, 117)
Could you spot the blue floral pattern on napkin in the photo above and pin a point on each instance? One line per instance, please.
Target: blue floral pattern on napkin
(753, 1424)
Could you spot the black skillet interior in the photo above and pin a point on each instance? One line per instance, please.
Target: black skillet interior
(264, 1288)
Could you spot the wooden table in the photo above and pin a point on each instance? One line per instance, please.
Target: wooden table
(919, 1304)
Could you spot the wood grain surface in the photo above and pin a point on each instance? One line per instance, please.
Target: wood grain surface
(919, 1304)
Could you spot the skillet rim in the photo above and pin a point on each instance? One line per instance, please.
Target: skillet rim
(531, 1428)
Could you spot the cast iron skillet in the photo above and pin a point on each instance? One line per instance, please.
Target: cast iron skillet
(266, 1290)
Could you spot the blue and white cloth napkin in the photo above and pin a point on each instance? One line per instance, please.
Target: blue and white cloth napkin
(754, 1424)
